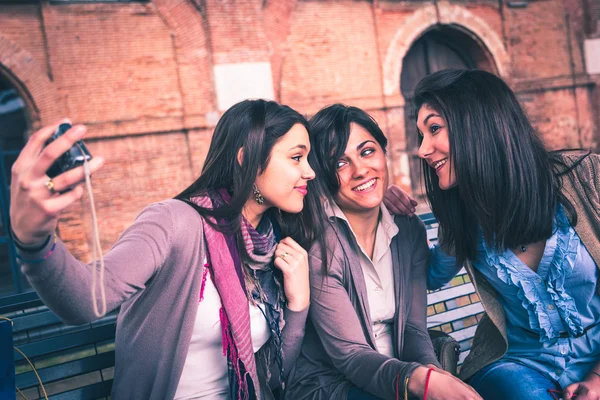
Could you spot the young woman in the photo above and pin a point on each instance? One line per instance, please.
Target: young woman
(367, 336)
(211, 305)
(525, 223)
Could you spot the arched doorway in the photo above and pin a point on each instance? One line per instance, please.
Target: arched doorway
(14, 121)
(443, 46)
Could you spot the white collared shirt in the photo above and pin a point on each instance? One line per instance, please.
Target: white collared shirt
(379, 277)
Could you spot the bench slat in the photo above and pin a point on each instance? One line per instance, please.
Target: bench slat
(19, 302)
(64, 342)
(464, 334)
(44, 332)
(428, 219)
(450, 293)
(453, 315)
(94, 391)
(67, 370)
(34, 320)
(17, 298)
(462, 356)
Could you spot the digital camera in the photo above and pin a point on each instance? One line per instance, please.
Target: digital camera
(72, 158)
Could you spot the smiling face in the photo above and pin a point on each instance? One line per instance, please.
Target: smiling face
(283, 183)
(362, 173)
(435, 148)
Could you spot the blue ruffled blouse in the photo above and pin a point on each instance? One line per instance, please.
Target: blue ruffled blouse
(548, 311)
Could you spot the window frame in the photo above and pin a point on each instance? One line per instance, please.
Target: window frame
(6, 237)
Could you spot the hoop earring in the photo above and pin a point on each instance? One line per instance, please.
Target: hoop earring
(257, 196)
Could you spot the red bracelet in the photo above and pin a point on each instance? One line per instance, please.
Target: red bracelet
(427, 383)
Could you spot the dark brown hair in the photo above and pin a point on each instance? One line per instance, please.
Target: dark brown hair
(255, 125)
(506, 179)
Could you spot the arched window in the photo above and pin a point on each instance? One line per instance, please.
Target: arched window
(13, 127)
(439, 48)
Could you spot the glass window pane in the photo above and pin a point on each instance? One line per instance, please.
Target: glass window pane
(13, 120)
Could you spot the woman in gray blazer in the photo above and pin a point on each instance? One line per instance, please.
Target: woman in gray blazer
(366, 337)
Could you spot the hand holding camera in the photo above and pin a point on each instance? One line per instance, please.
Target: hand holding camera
(72, 158)
(47, 178)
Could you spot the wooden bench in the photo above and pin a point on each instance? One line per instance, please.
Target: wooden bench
(77, 362)
(73, 362)
(455, 308)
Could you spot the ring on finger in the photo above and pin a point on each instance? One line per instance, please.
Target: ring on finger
(284, 255)
(50, 185)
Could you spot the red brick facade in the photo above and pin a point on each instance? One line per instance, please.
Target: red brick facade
(142, 75)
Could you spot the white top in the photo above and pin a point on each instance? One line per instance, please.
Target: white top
(379, 279)
(205, 374)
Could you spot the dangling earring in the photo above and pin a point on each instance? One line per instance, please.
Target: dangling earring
(257, 196)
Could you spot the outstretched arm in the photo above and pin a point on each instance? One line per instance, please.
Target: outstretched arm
(64, 283)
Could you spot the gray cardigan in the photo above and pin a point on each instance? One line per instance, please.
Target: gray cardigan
(339, 347)
(154, 272)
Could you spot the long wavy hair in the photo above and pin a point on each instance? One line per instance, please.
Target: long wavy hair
(507, 182)
(256, 126)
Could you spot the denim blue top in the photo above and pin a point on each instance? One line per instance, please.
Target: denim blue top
(561, 297)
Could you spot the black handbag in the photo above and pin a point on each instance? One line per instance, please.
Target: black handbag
(446, 349)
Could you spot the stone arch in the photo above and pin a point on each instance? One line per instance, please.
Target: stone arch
(424, 19)
(31, 80)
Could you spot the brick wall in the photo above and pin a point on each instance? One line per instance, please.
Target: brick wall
(332, 57)
(142, 75)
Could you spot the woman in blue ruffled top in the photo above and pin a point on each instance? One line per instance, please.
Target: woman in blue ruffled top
(525, 223)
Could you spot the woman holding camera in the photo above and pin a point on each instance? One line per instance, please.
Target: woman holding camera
(213, 304)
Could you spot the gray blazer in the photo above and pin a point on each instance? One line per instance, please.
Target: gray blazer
(339, 347)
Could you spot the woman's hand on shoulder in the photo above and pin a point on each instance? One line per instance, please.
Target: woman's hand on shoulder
(292, 260)
(399, 202)
(36, 200)
(442, 385)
